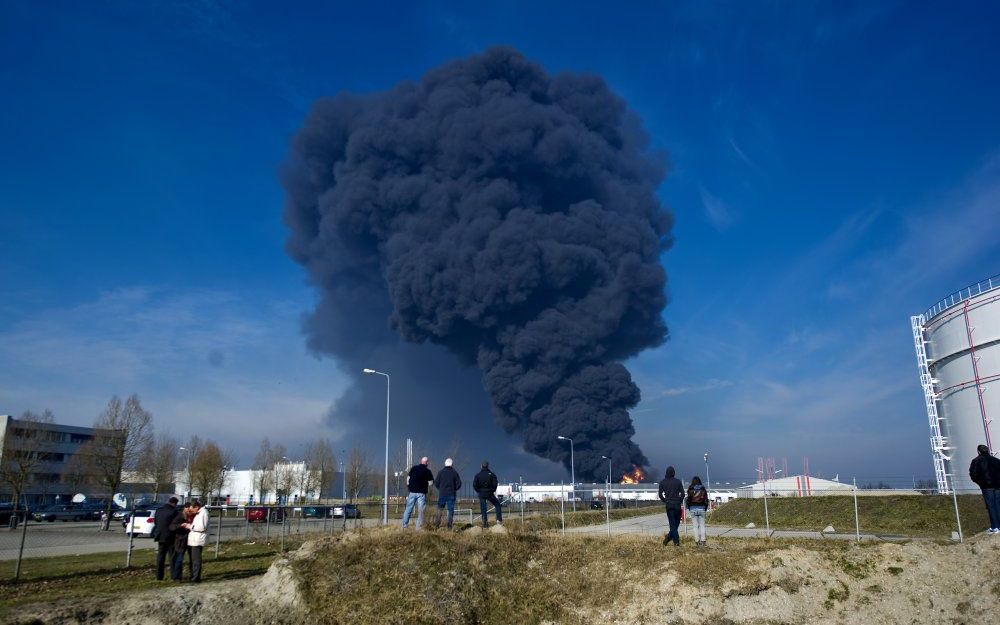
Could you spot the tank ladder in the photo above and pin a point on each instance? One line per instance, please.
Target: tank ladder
(939, 444)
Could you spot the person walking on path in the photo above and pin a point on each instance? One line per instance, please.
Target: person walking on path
(697, 505)
(485, 484)
(447, 484)
(179, 528)
(197, 538)
(420, 476)
(985, 472)
(671, 493)
(163, 535)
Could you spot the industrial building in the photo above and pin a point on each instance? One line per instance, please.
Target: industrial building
(957, 343)
(48, 455)
(794, 486)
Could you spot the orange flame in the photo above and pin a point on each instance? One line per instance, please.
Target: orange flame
(633, 477)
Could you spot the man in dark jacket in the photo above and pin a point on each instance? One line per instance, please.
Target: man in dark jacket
(417, 482)
(985, 471)
(447, 484)
(179, 528)
(485, 484)
(671, 493)
(163, 535)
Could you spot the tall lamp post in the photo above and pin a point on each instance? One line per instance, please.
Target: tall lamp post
(572, 467)
(343, 476)
(187, 478)
(708, 477)
(607, 497)
(385, 484)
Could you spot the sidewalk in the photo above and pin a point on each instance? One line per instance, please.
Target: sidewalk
(656, 525)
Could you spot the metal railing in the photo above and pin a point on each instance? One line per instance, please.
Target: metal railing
(961, 295)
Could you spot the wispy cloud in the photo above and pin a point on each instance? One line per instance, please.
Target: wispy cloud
(718, 212)
(708, 385)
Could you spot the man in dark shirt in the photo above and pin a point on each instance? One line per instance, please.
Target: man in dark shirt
(447, 484)
(485, 484)
(985, 471)
(420, 476)
(163, 535)
(671, 493)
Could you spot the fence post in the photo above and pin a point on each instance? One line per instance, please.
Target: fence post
(857, 522)
(607, 508)
(767, 518)
(958, 517)
(131, 535)
(562, 505)
(284, 522)
(267, 526)
(218, 536)
(20, 550)
(520, 481)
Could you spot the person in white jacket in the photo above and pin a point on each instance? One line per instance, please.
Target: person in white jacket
(197, 538)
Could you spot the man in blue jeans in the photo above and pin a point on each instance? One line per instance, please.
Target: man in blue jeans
(447, 484)
(671, 493)
(485, 484)
(985, 472)
(420, 476)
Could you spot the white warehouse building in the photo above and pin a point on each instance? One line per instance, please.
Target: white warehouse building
(794, 486)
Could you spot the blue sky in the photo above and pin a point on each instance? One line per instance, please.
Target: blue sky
(834, 169)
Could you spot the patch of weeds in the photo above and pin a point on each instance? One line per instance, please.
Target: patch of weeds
(776, 562)
(864, 600)
(875, 589)
(963, 607)
(790, 584)
(834, 595)
(855, 569)
(995, 590)
(894, 570)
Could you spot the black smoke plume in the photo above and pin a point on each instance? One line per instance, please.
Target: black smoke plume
(504, 213)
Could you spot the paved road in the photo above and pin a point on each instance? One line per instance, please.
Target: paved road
(69, 538)
(656, 525)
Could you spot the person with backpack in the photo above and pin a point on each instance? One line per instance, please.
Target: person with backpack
(671, 493)
(485, 484)
(447, 482)
(697, 505)
(985, 472)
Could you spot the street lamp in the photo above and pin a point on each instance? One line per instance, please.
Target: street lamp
(188, 479)
(572, 467)
(343, 477)
(607, 497)
(385, 484)
(708, 477)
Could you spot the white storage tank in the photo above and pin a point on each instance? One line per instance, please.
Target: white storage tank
(958, 356)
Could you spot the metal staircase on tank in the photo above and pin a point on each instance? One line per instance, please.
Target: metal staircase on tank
(939, 444)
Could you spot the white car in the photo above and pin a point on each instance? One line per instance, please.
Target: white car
(141, 524)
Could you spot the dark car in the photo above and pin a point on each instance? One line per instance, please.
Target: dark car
(349, 511)
(316, 512)
(596, 504)
(6, 511)
(61, 512)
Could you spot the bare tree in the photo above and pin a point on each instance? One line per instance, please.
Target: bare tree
(265, 468)
(321, 462)
(191, 449)
(209, 468)
(26, 446)
(123, 431)
(357, 472)
(158, 464)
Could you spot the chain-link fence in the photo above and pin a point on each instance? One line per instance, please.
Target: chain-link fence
(36, 546)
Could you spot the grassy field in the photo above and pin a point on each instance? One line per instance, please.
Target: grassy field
(67, 577)
(553, 520)
(928, 516)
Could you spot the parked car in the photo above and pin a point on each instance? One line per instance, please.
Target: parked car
(259, 514)
(349, 511)
(316, 512)
(596, 504)
(124, 513)
(6, 511)
(61, 512)
(141, 524)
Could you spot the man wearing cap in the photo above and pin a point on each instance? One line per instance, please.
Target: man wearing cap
(447, 484)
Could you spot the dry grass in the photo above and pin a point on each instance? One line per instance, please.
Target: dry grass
(397, 577)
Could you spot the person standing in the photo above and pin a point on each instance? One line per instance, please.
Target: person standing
(671, 493)
(179, 528)
(485, 484)
(447, 484)
(197, 538)
(985, 472)
(697, 505)
(163, 535)
(416, 485)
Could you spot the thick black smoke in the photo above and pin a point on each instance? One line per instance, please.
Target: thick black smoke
(504, 213)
